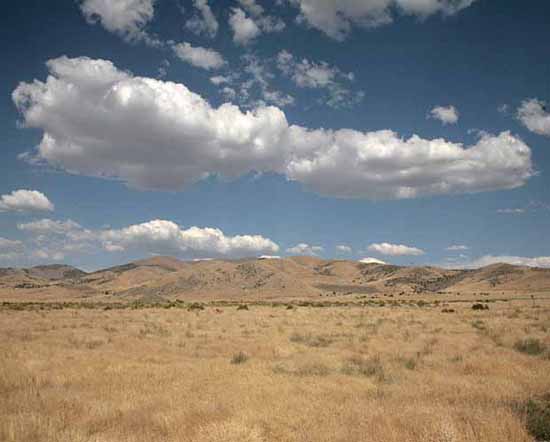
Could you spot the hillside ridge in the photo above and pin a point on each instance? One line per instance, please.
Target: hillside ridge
(303, 277)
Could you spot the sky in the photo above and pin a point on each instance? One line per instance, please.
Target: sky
(412, 132)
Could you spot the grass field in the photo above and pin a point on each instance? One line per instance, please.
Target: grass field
(377, 373)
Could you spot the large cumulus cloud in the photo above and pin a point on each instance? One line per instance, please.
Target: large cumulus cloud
(100, 121)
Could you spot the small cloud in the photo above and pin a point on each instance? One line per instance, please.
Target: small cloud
(342, 248)
(244, 29)
(369, 260)
(516, 211)
(395, 249)
(320, 75)
(204, 22)
(163, 69)
(125, 18)
(305, 249)
(534, 115)
(229, 93)
(457, 247)
(25, 201)
(219, 79)
(198, 56)
(445, 114)
(10, 249)
(45, 255)
(503, 108)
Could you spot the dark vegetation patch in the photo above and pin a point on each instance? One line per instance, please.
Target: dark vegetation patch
(346, 288)
(530, 346)
(536, 415)
(369, 367)
(311, 340)
(117, 269)
(239, 358)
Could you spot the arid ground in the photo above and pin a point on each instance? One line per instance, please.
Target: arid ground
(413, 370)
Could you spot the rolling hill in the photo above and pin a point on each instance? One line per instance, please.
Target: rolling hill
(161, 278)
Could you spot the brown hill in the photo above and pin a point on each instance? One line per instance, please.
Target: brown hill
(296, 277)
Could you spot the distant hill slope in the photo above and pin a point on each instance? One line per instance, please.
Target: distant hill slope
(55, 272)
(295, 277)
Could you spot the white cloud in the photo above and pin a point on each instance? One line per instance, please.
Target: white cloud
(47, 255)
(244, 28)
(539, 261)
(198, 56)
(10, 249)
(205, 22)
(342, 248)
(503, 108)
(55, 239)
(261, 75)
(337, 17)
(534, 115)
(163, 69)
(219, 79)
(510, 211)
(251, 84)
(445, 114)
(308, 74)
(126, 18)
(252, 7)
(25, 201)
(91, 116)
(305, 249)
(269, 257)
(305, 73)
(457, 247)
(48, 227)
(380, 164)
(265, 22)
(9, 244)
(369, 260)
(52, 240)
(229, 93)
(165, 236)
(395, 249)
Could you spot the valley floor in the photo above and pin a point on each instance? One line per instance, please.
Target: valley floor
(376, 373)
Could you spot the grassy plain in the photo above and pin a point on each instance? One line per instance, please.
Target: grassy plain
(403, 373)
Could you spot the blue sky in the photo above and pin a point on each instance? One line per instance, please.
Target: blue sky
(413, 132)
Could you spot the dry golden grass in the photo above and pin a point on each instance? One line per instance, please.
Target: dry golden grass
(399, 374)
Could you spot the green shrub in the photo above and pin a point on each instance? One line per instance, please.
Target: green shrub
(530, 346)
(410, 363)
(479, 324)
(537, 418)
(239, 358)
(195, 306)
(370, 367)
